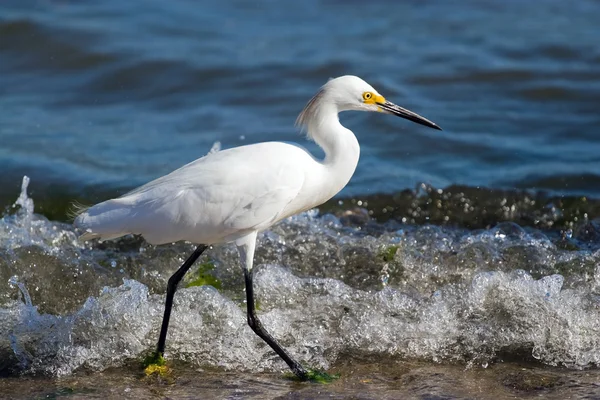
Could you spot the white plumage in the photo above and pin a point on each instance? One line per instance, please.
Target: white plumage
(215, 199)
(226, 195)
(230, 195)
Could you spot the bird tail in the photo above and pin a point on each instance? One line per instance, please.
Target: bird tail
(76, 209)
(103, 221)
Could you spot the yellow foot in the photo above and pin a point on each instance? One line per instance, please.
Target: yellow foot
(155, 364)
(161, 370)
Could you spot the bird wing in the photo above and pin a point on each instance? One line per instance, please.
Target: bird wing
(209, 200)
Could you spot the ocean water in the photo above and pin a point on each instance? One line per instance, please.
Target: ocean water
(456, 264)
(387, 305)
(114, 94)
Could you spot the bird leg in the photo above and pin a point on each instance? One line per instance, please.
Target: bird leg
(258, 328)
(246, 246)
(171, 288)
(247, 255)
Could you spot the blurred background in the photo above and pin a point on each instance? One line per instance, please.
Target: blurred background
(98, 97)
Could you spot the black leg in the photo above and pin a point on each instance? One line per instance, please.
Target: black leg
(171, 288)
(257, 327)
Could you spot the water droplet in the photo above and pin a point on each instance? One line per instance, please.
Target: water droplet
(216, 147)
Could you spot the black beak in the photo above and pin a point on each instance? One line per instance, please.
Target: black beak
(404, 113)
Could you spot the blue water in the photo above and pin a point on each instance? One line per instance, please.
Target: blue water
(116, 93)
(109, 94)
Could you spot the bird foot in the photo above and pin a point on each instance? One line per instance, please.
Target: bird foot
(321, 376)
(155, 364)
(160, 370)
(313, 375)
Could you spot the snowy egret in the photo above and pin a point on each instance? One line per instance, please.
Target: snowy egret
(231, 195)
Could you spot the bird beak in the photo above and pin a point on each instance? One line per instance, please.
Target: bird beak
(392, 108)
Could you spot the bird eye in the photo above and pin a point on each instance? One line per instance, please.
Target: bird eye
(367, 95)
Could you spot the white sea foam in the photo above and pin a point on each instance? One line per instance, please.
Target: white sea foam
(324, 289)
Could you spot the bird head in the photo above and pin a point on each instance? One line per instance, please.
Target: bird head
(352, 93)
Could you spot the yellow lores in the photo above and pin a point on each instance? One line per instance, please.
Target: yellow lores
(372, 98)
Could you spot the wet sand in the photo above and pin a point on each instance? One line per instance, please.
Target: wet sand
(358, 380)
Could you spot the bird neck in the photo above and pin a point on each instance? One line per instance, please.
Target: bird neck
(341, 147)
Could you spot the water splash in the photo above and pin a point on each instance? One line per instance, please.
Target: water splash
(25, 228)
(216, 147)
(14, 280)
(25, 201)
(326, 288)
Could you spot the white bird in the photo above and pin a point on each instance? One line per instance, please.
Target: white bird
(231, 195)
